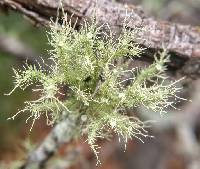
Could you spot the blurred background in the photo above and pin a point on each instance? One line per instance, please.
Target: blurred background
(177, 134)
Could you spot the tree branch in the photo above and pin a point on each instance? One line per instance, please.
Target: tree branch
(182, 40)
(62, 133)
(15, 47)
(21, 51)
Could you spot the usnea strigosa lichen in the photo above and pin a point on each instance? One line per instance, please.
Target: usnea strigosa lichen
(93, 64)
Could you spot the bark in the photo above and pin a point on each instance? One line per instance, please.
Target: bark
(62, 133)
(182, 40)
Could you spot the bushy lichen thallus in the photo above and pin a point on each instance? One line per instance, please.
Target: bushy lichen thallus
(92, 63)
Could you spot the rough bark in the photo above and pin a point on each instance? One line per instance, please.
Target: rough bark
(62, 133)
(183, 40)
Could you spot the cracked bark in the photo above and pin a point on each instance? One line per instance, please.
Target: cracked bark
(182, 41)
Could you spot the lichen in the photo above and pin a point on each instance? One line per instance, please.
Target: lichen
(92, 63)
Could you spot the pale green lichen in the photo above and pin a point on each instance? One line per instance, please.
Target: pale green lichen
(89, 62)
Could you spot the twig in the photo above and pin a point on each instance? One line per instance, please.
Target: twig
(62, 133)
(17, 48)
(183, 40)
(21, 51)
